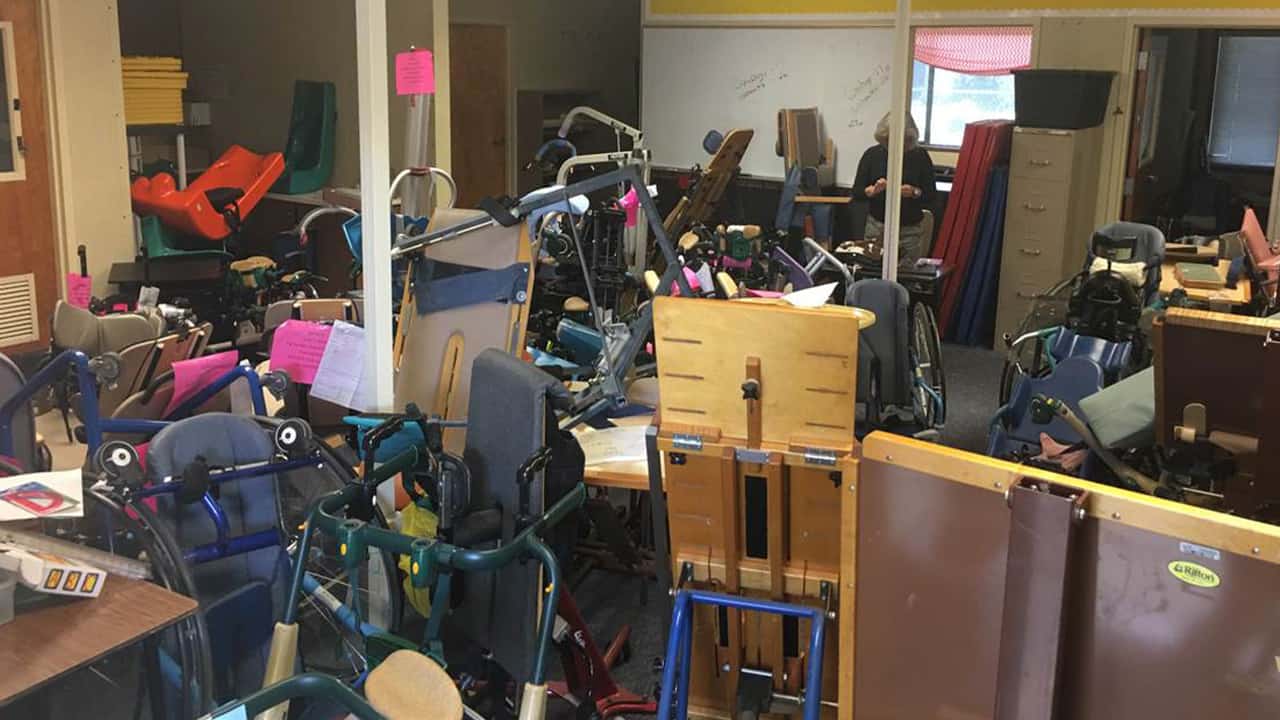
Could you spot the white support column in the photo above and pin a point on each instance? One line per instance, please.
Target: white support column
(900, 83)
(440, 20)
(375, 194)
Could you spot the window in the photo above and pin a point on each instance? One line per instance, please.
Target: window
(943, 102)
(11, 165)
(1246, 102)
(961, 74)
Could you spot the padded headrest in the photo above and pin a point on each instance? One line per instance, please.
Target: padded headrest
(1149, 245)
(222, 439)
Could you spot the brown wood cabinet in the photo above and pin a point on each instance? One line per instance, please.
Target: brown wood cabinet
(1053, 181)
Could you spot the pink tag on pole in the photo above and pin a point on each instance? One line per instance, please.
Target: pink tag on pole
(415, 73)
(631, 205)
(192, 376)
(297, 348)
(79, 289)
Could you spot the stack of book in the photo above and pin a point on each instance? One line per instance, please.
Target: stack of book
(153, 90)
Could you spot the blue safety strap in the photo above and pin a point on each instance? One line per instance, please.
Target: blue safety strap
(440, 286)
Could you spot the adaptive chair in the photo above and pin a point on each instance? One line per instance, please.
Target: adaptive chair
(809, 161)
(308, 154)
(214, 204)
(1264, 261)
(901, 386)
(29, 454)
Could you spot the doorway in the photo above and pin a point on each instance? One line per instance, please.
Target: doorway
(480, 93)
(1206, 121)
(29, 278)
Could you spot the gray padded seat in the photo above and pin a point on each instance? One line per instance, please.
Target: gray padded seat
(887, 341)
(24, 421)
(226, 440)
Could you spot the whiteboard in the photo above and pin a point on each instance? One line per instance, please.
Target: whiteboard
(698, 79)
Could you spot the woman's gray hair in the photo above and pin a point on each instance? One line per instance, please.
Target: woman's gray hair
(912, 136)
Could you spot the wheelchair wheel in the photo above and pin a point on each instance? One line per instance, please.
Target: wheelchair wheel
(324, 643)
(930, 381)
(130, 530)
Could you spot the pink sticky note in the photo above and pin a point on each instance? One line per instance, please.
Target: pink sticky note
(192, 376)
(79, 289)
(415, 73)
(297, 349)
(631, 205)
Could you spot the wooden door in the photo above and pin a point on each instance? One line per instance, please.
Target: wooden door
(29, 273)
(478, 77)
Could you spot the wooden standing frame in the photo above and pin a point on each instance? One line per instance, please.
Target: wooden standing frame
(757, 430)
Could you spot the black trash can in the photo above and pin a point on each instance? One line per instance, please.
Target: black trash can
(1061, 99)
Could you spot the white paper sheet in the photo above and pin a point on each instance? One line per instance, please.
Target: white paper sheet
(813, 297)
(341, 377)
(615, 444)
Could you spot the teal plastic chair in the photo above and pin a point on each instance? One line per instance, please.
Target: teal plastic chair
(308, 156)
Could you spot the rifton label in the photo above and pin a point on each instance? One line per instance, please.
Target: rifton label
(1194, 574)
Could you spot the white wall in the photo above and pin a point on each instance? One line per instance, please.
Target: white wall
(90, 159)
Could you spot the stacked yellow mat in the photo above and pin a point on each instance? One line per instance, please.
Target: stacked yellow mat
(153, 90)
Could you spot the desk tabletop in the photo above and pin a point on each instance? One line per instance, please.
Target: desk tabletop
(627, 474)
(43, 643)
(1239, 295)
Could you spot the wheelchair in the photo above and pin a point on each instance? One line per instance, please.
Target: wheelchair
(1080, 336)
(902, 385)
(1098, 312)
(215, 515)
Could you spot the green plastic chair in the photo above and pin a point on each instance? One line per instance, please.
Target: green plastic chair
(308, 156)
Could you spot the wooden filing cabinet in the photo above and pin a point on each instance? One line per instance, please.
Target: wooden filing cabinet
(1053, 187)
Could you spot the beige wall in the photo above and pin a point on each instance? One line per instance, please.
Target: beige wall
(1098, 43)
(244, 56)
(90, 168)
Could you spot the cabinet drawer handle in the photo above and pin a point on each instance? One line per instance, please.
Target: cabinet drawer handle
(1029, 251)
(1040, 163)
(1034, 208)
(1026, 295)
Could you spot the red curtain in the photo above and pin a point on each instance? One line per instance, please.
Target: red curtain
(975, 50)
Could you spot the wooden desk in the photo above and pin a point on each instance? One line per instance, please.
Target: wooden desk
(1226, 297)
(627, 475)
(42, 644)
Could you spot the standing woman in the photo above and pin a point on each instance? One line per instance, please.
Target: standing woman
(917, 190)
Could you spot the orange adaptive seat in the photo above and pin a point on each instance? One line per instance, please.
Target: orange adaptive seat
(239, 176)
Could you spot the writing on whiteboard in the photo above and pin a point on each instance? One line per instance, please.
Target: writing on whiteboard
(755, 82)
(866, 89)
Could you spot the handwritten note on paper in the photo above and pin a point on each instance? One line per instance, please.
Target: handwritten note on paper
(415, 73)
(342, 375)
(192, 376)
(79, 290)
(624, 443)
(298, 348)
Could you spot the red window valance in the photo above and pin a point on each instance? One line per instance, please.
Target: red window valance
(975, 50)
